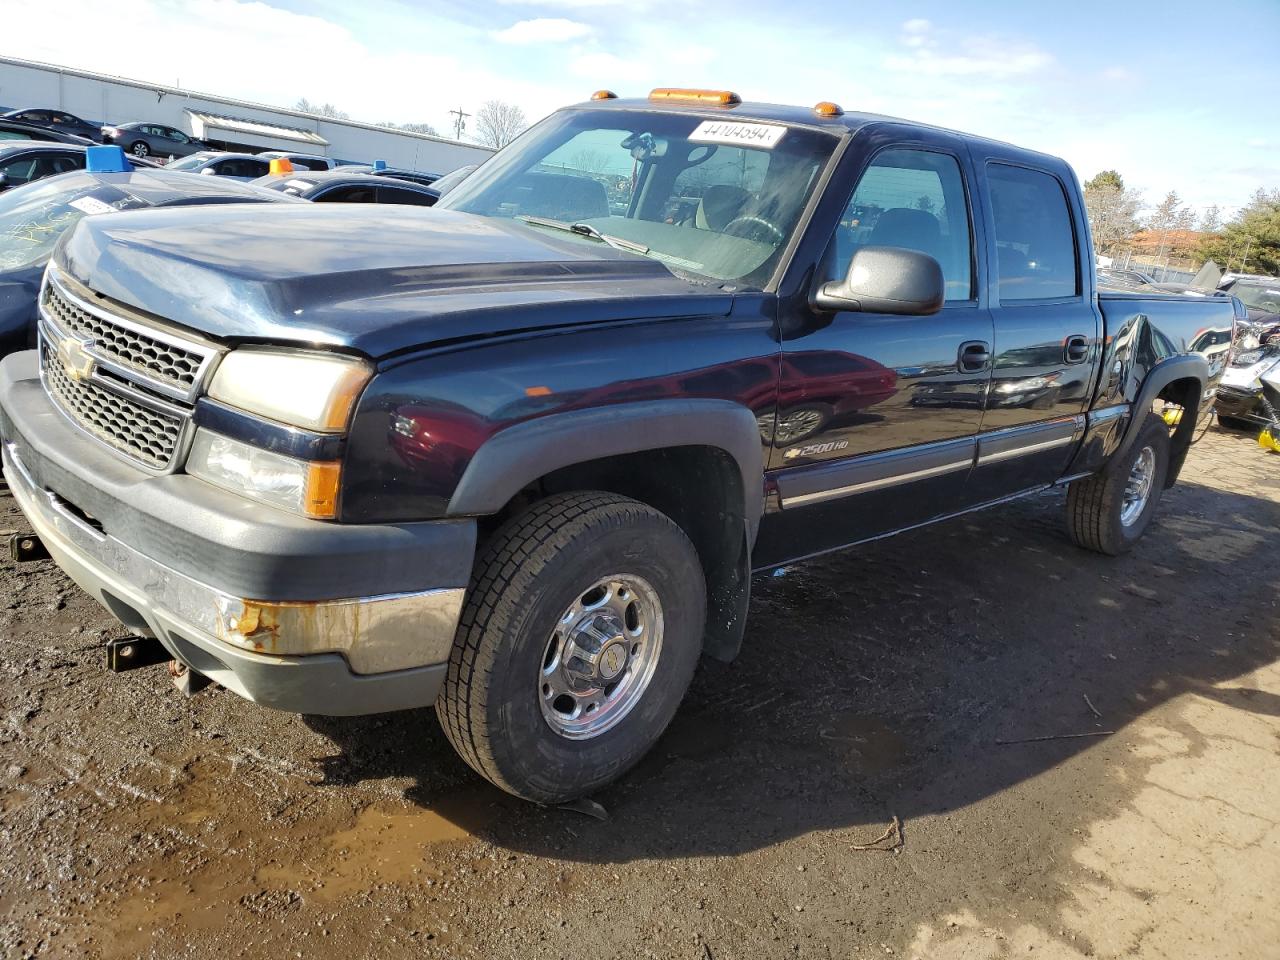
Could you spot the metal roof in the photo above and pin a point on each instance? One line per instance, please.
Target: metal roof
(254, 128)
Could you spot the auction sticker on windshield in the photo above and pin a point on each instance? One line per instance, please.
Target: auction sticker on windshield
(764, 135)
(91, 206)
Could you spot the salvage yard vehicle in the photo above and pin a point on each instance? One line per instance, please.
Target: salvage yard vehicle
(35, 216)
(345, 185)
(24, 162)
(218, 163)
(58, 121)
(152, 139)
(519, 454)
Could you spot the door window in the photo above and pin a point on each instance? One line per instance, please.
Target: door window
(913, 199)
(1035, 243)
(400, 195)
(347, 195)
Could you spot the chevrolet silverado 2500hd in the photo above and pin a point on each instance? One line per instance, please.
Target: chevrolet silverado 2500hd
(519, 454)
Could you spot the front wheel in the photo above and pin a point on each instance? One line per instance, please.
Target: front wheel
(582, 628)
(1109, 511)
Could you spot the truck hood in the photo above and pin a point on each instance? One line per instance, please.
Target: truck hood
(369, 278)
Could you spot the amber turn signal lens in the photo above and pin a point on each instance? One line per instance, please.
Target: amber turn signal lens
(828, 109)
(604, 95)
(320, 497)
(724, 98)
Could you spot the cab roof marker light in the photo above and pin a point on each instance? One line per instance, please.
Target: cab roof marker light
(604, 95)
(828, 109)
(379, 166)
(105, 159)
(723, 98)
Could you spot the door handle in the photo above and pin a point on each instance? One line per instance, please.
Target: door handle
(974, 356)
(1076, 349)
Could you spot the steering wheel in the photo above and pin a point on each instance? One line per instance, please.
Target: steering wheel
(751, 224)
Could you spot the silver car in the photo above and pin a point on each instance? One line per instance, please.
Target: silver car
(152, 139)
(213, 163)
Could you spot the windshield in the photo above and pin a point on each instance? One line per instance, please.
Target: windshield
(188, 163)
(717, 199)
(34, 217)
(1260, 296)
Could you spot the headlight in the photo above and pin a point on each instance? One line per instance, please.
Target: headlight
(1247, 359)
(301, 486)
(315, 391)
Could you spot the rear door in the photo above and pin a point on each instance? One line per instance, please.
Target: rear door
(1046, 327)
(878, 414)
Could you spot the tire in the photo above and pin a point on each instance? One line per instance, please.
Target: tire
(1096, 505)
(529, 578)
(139, 148)
(1238, 423)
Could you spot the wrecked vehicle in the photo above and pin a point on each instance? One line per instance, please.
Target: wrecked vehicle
(519, 454)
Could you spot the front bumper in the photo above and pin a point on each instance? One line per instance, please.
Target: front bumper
(1241, 404)
(373, 640)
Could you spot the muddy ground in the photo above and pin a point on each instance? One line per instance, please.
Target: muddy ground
(878, 684)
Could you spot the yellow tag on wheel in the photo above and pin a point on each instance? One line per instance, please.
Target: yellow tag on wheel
(1268, 442)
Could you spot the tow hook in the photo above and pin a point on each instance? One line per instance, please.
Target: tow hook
(27, 547)
(134, 652)
(188, 682)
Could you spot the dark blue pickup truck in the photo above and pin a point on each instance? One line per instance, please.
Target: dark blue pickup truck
(518, 455)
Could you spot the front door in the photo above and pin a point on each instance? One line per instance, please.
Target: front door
(878, 414)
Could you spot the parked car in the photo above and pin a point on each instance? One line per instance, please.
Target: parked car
(152, 139)
(16, 130)
(22, 163)
(453, 178)
(324, 186)
(55, 120)
(1124, 279)
(304, 161)
(515, 455)
(381, 170)
(237, 166)
(40, 213)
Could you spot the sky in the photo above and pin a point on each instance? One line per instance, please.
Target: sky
(1178, 96)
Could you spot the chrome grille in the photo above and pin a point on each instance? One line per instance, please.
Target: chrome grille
(129, 384)
(127, 346)
(145, 435)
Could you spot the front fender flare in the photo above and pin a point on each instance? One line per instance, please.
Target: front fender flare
(520, 454)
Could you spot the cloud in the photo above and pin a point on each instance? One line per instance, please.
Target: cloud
(988, 57)
(543, 30)
(566, 4)
(917, 25)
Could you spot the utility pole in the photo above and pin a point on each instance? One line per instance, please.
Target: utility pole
(460, 123)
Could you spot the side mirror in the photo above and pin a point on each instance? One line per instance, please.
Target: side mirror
(886, 280)
(208, 172)
(4, 182)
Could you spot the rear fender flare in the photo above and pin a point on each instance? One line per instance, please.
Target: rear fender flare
(1186, 367)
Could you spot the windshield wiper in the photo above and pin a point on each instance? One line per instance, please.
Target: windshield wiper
(585, 230)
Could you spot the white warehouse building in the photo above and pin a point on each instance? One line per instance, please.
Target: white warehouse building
(227, 123)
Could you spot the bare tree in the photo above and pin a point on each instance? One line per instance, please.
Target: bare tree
(498, 123)
(1112, 210)
(1211, 220)
(321, 109)
(411, 127)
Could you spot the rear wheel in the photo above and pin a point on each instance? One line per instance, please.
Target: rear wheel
(581, 631)
(140, 149)
(1109, 511)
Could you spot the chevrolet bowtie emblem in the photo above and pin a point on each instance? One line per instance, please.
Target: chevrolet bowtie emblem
(75, 358)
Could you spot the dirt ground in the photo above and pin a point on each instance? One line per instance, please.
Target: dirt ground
(881, 683)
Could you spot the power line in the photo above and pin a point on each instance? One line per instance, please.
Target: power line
(460, 123)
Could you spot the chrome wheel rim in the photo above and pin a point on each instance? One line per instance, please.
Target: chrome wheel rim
(1137, 490)
(601, 656)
